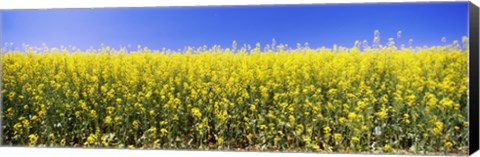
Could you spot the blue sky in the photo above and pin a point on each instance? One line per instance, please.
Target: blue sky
(177, 27)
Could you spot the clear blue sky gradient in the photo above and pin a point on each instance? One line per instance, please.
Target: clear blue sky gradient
(177, 27)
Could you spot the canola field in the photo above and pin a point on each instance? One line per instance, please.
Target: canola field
(383, 100)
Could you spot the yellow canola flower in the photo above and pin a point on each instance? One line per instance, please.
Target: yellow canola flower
(196, 113)
(33, 138)
(163, 132)
(327, 130)
(93, 114)
(91, 139)
(448, 145)
(351, 116)
(63, 142)
(382, 114)
(152, 112)
(355, 139)
(342, 120)
(291, 119)
(52, 136)
(387, 148)
(108, 120)
(135, 124)
(337, 136)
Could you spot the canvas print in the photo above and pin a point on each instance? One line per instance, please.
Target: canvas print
(389, 78)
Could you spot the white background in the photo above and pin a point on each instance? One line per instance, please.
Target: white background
(48, 4)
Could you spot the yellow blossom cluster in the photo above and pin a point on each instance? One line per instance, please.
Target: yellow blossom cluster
(280, 99)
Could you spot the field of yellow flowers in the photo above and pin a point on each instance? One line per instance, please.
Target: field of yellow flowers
(328, 100)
